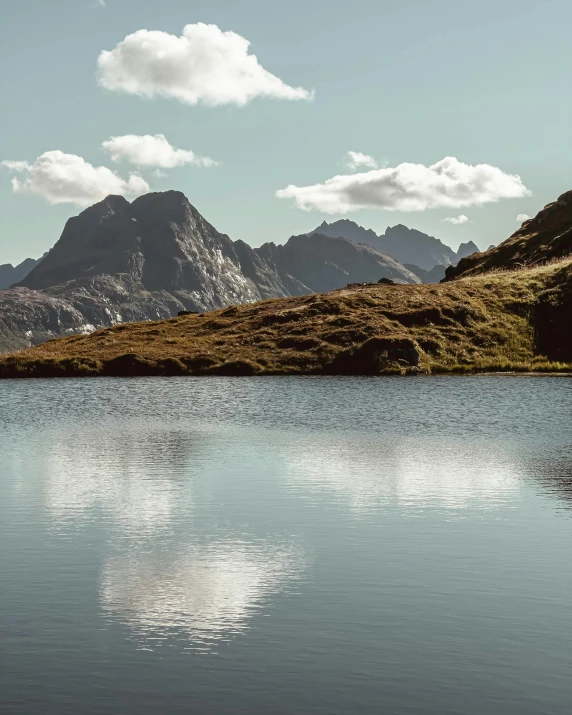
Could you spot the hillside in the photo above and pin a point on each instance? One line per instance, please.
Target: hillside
(540, 239)
(122, 262)
(497, 321)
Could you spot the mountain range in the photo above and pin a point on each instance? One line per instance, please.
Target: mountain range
(406, 245)
(152, 258)
(495, 319)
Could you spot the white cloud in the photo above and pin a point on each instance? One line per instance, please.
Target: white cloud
(204, 65)
(150, 150)
(15, 165)
(457, 220)
(409, 187)
(522, 217)
(356, 159)
(67, 178)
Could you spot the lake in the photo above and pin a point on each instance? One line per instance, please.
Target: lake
(286, 545)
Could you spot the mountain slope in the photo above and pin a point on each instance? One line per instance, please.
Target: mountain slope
(540, 239)
(495, 321)
(325, 263)
(119, 261)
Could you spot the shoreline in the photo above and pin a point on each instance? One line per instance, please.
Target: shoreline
(454, 373)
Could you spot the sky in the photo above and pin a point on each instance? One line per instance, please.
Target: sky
(451, 117)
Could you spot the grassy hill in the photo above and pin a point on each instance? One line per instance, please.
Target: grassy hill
(512, 320)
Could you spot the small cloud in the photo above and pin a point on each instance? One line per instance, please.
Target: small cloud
(16, 165)
(66, 178)
(160, 174)
(457, 220)
(203, 66)
(154, 150)
(522, 217)
(355, 159)
(409, 187)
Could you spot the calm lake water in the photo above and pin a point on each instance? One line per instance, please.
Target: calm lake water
(285, 545)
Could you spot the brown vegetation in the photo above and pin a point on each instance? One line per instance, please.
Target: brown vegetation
(493, 322)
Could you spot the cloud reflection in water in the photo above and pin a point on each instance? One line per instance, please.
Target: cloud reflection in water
(415, 473)
(133, 477)
(208, 592)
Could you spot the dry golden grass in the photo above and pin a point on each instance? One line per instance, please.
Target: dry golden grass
(488, 322)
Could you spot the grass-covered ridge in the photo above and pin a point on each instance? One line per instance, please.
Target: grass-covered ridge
(517, 320)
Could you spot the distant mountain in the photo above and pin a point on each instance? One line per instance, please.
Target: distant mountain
(10, 274)
(540, 239)
(435, 275)
(406, 245)
(467, 249)
(121, 262)
(324, 264)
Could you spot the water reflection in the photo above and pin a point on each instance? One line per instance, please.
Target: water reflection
(208, 592)
(416, 473)
(135, 477)
(553, 474)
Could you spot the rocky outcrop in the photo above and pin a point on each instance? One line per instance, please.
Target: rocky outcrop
(406, 245)
(157, 256)
(543, 238)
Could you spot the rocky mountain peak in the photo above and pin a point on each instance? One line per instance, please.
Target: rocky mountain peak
(119, 261)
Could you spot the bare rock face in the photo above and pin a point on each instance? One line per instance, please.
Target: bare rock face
(157, 256)
(540, 239)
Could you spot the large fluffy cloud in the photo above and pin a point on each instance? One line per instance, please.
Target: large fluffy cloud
(204, 65)
(409, 187)
(67, 178)
(154, 150)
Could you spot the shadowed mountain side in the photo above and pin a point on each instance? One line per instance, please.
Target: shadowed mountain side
(504, 321)
(540, 239)
(324, 263)
(119, 261)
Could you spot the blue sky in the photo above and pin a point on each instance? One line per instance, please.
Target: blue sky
(403, 81)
